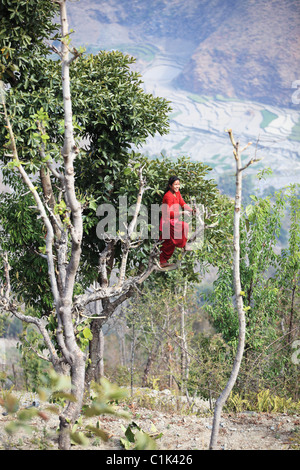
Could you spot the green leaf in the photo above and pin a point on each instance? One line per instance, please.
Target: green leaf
(93, 205)
(249, 210)
(129, 434)
(87, 333)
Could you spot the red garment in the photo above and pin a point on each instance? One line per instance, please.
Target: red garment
(174, 231)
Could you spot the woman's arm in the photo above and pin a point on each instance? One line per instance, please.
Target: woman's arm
(184, 205)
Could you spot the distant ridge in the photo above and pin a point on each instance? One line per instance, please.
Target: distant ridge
(246, 49)
(254, 54)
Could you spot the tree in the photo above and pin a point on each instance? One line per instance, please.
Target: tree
(288, 269)
(61, 218)
(270, 289)
(41, 140)
(41, 147)
(157, 171)
(108, 79)
(68, 253)
(260, 227)
(237, 291)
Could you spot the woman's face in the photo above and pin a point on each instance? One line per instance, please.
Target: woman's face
(175, 186)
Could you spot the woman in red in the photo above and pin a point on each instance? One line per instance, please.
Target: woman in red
(174, 232)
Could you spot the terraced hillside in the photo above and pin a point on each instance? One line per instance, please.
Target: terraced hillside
(198, 126)
(253, 54)
(248, 50)
(220, 63)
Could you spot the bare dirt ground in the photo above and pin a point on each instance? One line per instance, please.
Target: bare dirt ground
(238, 431)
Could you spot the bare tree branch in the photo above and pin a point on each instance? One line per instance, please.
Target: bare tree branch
(8, 305)
(40, 207)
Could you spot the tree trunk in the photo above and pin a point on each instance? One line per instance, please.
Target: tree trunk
(169, 351)
(68, 269)
(184, 356)
(100, 369)
(76, 360)
(72, 411)
(238, 298)
(95, 369)
(132, 359)
(120, 332)
(291, 314)
(150, 360)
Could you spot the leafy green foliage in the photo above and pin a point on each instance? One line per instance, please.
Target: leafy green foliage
(53, 389)
(22, 234)
(263, 402)
(195, 186)
(113, 114)
(260, 226)
(270, 289)
(120, 114)
(31, 21)
(36, 112)
(210, 364)
(32, 365)
(84, 335)
(288, 263)
(103, 396)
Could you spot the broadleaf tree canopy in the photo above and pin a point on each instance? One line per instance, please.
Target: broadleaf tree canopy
(112, 118)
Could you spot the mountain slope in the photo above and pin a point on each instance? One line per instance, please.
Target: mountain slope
(247, 50)
(254, 54)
